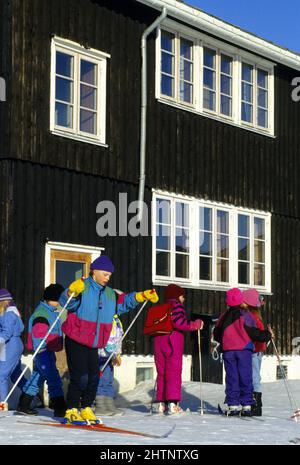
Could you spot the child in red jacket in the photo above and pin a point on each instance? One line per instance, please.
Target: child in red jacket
(168, 352)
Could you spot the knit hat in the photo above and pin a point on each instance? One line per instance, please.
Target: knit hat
(173, 291)
(53, 292)
(251, 297)
(5, 295)
(234, 297)
(103, 263)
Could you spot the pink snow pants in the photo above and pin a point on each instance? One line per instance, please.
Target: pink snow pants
(168, 352)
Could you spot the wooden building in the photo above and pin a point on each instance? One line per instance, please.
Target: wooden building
(222, 155)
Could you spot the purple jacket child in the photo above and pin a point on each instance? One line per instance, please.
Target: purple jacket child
(168, 352)
(236, 330)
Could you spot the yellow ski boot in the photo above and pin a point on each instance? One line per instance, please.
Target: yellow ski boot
(88, 415)
(73, 417)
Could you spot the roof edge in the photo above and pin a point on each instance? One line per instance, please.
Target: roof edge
(226, 31)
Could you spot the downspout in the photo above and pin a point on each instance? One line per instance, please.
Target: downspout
(142, 175)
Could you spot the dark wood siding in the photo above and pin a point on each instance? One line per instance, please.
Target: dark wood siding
(5, 73)
(186, 153)
(60, 205)
(51, 189)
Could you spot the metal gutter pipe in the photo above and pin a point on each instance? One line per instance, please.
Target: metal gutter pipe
(142, 175)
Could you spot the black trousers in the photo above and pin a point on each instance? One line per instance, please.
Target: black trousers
(83, 364)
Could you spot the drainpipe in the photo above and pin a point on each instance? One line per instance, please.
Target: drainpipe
(142, 175)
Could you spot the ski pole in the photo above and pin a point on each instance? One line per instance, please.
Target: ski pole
(124, 335)
(200, 373)
(153, 395)
(3, 405)
(290, 396)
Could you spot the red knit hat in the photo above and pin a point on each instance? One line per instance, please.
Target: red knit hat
(173, 291)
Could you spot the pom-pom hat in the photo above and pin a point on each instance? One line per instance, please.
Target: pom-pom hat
(251, 297)
(103, 263)
(53, 292)
(234, 297)
(173, 291)
(5, 295)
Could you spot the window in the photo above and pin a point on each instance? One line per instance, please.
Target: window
(217, 82)
(177, 68)
(254, 106)
(78, 88)
(207, 76)
(65, 263)
(203, 244)
(172, 253)
(68, 266)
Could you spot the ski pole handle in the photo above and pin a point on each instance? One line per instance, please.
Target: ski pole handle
(38, 348)
(123, 337)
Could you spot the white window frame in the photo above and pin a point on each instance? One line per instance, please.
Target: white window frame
(200, 41)
(194, 279)
(94, 56)
(177, 38)
(66, 247)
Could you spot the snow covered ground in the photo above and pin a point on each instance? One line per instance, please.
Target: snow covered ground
(191, 428)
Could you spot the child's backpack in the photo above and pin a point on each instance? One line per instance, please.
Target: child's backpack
(114, 343)
(158, 320)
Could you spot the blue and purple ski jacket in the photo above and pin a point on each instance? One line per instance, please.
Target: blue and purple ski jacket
(90, 315)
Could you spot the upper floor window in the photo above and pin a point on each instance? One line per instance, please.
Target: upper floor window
(177, 67)
(78, 92)
(215, 79)
(203, 244)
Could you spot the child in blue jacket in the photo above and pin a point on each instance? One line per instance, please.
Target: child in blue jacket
(44, 368)
(87, 328)
(11, 345)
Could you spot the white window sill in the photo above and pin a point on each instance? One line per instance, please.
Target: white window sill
(208, 287)
(215, 117)
(79, 138)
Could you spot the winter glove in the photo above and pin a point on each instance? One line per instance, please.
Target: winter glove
(77, 287)
(147, 295)
(117, 361)
(271, 331)
(197, 324)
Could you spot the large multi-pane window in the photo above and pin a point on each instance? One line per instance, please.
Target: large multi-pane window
(77, 92)
(205, 244)
(216, 80)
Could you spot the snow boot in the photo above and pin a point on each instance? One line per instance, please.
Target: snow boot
(102, 406)
(88, 415)
(24, 405)
(110, 404)
(233, 411)
(73, 417)
(256, 408)
(246, 411)
(174, 408)
(59, 406)
(162, 407)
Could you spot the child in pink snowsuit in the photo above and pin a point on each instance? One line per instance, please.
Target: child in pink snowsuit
(168, 352)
